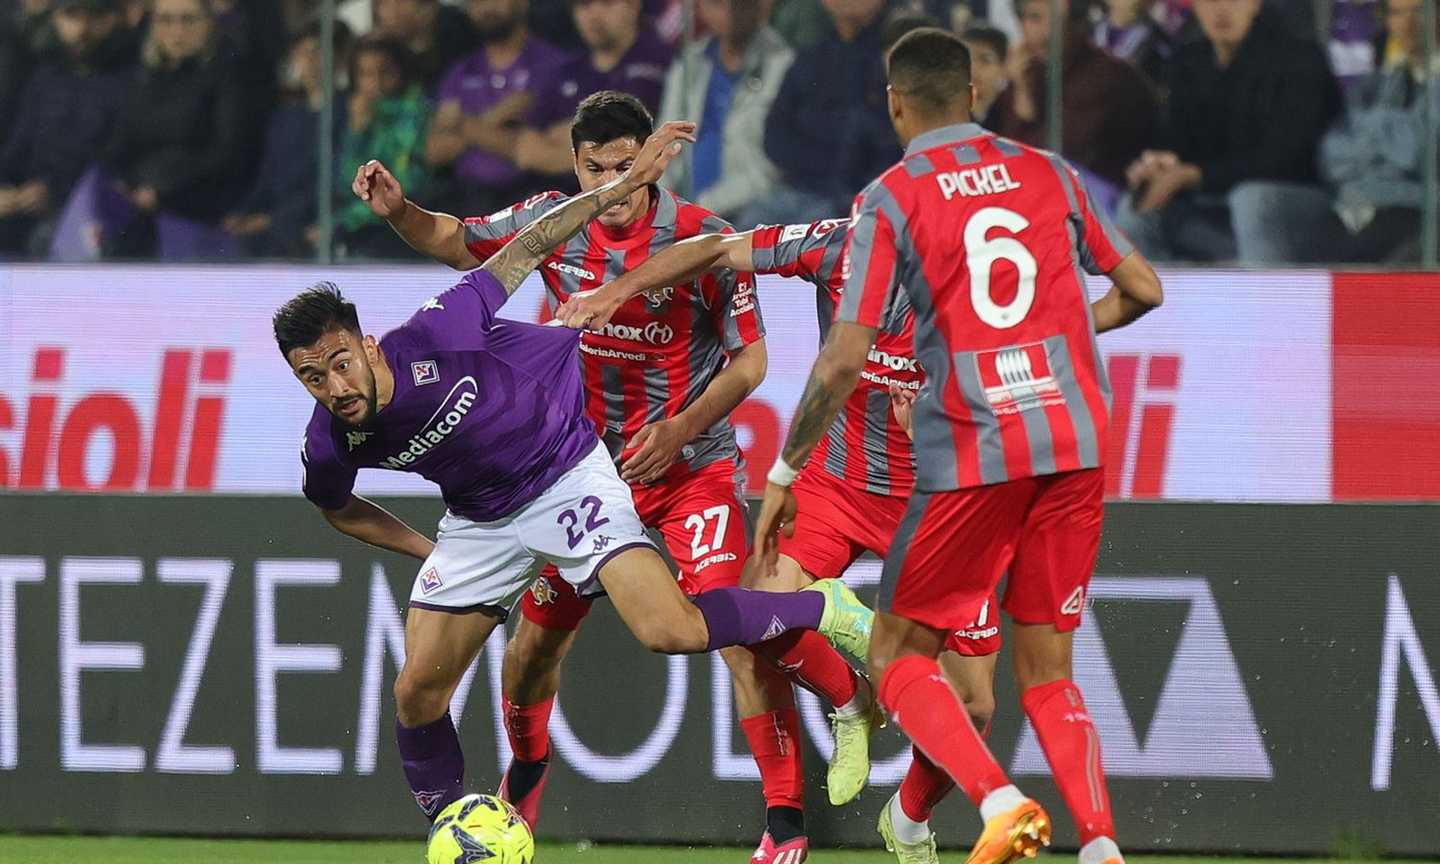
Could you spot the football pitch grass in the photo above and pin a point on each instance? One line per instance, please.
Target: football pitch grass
(145, 850)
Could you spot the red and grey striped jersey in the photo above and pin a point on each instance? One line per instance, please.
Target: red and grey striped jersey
(661, 349)
(989, 241)
(865, 446)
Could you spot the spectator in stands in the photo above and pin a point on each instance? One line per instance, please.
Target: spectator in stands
(1236, 176)
(276, 216)
(727, 82)
(387, 112)
(437, 35)
(484, 101)
(988, 48)
(829, 130)
(23, 24)
(183, 141)
(1129, 30)
(624, 53)
(1108, 111)
(801, 23)
(1375, 156)
(66, 114)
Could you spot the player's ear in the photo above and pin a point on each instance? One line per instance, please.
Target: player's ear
(372, 349)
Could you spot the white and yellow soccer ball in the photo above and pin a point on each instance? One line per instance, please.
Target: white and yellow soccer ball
(480, 829)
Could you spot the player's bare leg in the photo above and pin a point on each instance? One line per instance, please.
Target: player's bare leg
(926, 707)
(816, 666)
(439, 647)
(905, 819)
(530, 678)
(1057, 712)
(765, 702)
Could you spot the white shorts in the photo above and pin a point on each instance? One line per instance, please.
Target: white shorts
(585, 518)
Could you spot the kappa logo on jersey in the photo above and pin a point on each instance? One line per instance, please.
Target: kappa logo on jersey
(430, 581)
(570, 270)
(659, 296)
(1074, 603)
(431, 305)
(355, 439)
(425, 372)
(445, 420)
(1018, 379)
(655, 333)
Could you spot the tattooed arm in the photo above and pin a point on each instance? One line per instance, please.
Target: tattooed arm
(831, 383)
(525, 252)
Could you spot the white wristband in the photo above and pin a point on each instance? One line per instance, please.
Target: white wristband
(781, 474)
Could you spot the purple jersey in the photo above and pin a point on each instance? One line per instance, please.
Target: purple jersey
(492, 411)
(641, 73)
(478, 87)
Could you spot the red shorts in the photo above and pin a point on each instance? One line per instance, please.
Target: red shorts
(835, 523)
(706, 528)
(953, 548)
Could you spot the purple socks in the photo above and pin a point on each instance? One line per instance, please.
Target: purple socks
(736, 616)
(434, 765)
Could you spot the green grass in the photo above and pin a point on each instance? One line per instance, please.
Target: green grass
(142, 850)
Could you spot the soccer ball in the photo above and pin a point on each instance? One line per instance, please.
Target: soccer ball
(480, 828)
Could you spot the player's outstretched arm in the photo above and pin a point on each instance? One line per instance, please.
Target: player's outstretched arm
(683, 261)
(438, 235)
(1134, 290)
(370, 523)
(528, 248)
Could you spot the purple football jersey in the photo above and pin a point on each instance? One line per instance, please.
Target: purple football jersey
(490, 410)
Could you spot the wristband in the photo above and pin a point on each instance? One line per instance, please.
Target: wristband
(781, 474)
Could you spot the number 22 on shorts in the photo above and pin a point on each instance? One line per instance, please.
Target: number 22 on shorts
(570, 520)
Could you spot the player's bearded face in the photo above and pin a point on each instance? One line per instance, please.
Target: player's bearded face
(337, 371)
(596, 165)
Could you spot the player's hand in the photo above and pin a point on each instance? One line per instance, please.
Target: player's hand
(587, 310)
(659, 446)
(377, 187)
(657, 151)
(777, 516)
(902, 405)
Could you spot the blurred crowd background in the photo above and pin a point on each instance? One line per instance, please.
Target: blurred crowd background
(1263, 132)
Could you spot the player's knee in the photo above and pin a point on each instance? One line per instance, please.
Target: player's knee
(418, 702)
(678, 634)
(981, 709)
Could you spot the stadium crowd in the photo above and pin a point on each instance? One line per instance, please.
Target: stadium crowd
(1257, 131)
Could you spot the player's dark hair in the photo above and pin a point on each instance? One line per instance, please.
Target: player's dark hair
(991, 37)
(311, 314)
(932, 67)
(609, 115)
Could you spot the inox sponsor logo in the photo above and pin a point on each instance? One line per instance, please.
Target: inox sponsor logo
(441, 425)
(654, 333)
(893, 362)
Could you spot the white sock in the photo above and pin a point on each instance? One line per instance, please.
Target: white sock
(907, 830)
(1002, 799)
(857, 704)
(1098, 850)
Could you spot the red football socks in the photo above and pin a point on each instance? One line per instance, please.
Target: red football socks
(528, 729)
(1072, 746)
(775, 742)
(813, 663)
(925, 707)
(924, 786)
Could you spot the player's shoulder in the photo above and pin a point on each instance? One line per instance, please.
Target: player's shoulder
(535, 205)
(687, 218)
